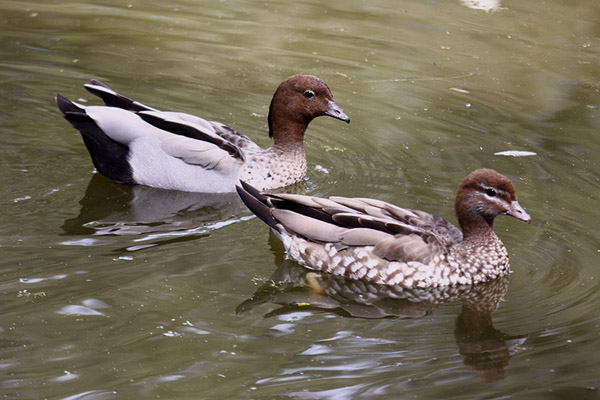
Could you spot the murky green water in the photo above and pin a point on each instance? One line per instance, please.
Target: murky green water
(118, 292)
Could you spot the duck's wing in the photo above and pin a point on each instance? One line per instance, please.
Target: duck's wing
(444, 231)
(114, 99)
(109, 131)
(140, 132)
(232, 136)
(174, 122)
(184, 127)
(395, 234)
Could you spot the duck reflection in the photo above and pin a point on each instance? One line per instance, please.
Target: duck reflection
(108, 208)
(483, 347)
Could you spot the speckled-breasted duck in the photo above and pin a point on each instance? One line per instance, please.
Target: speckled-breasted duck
(133, 143)
(375, 241)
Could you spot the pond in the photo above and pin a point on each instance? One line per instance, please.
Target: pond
(113, 291)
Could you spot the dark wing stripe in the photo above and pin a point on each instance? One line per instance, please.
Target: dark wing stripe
(98, 83)
(351, 221)
(373, 224)
(231, 135)
(300, 209)
(115, 99)
(397, 229)
(191, 132)
(348, 220)
(256, 202)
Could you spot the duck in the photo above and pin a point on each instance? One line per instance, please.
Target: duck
(377, 242)
(130, 142)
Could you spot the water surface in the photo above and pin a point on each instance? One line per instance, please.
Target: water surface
(111, 291)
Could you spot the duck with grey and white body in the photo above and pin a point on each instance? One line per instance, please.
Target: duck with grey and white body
(378, 242)
(130, 142)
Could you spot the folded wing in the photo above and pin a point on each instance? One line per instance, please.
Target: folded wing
(396, 234)
(125, 122)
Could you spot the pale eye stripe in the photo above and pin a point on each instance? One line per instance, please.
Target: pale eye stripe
(498, 199)
(499, 192)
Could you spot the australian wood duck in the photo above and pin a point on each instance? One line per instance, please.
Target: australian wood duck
(375, 241)
(133, 143)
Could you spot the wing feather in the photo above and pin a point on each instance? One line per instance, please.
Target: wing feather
(310, 228)
(396, 234)
(363, 237)
(191, 127)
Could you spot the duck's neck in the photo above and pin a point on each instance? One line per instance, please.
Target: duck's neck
(474, 225)
(287, 132)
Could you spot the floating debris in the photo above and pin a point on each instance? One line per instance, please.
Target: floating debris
(79, 311)
(515, 153)
(484, 5)
(67, 376)
(18, 199)
(172, 334)
(320, 168)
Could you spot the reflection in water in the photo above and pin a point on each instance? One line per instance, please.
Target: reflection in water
(484, 348)
(108, 208)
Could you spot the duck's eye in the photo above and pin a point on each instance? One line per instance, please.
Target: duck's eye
(309, 94)
(490, 192)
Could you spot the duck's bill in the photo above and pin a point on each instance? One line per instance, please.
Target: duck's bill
(336, 112)
(518, 212)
